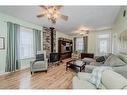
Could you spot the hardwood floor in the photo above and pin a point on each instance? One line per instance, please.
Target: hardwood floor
(56, 78)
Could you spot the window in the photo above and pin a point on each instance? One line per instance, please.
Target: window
(26, 43)
(79, 44)
(103, 43)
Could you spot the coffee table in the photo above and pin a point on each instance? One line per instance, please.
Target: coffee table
(74, 63)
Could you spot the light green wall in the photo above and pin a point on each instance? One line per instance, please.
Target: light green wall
(3, 33)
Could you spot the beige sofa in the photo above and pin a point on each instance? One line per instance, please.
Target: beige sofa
(118, 67)
(110, 80)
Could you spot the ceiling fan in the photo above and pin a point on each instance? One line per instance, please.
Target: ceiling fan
(52, 13)
(82, 31)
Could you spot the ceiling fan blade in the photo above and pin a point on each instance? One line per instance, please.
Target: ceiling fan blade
(58, 7)
(64, 17)
(44, 7)
(41, 15)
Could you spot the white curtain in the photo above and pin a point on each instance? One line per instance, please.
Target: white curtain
(79, 44)
(26, 43)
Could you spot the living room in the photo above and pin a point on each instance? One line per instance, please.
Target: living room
(41, 49)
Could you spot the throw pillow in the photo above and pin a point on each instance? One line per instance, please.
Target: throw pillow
(114, 61)
(40, 57)
(107, 55)
(100, 59)
(96, 75)
(88, 60)
(106, 63)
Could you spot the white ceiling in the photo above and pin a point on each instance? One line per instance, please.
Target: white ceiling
(89, 16)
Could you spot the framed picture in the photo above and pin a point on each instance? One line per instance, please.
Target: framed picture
(2, 43)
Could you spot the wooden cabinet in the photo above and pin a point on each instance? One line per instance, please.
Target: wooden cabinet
(65, 55)
(64, 48)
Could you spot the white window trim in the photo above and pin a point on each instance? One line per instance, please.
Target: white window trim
(110, 41)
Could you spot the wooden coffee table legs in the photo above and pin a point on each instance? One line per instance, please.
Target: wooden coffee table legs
(67, 66)
(82, 68)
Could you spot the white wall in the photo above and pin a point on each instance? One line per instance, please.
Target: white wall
(121, 22)
(119, 26)
(91, 42)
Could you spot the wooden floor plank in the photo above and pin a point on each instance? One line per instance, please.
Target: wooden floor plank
(56, 78)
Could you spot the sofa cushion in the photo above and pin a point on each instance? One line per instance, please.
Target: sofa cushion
(81, 84)
(97, 63)
(83, 76)
(108, 60)
(114, 61)
(123, 57)
(121, 70)
(100, 59)
(81, 81)
(96, 75)
(113, 80)
(88, 60)
(89, 68)
(39, 64)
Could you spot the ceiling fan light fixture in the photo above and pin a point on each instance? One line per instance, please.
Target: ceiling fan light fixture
(53, 13)
(83, 31)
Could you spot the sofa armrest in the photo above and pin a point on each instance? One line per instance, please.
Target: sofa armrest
(81, 84)
(83, 76)
(89, 68)
(96, 63)
(46, 63)
(31, 63)
(121, 70)
(117, 81)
